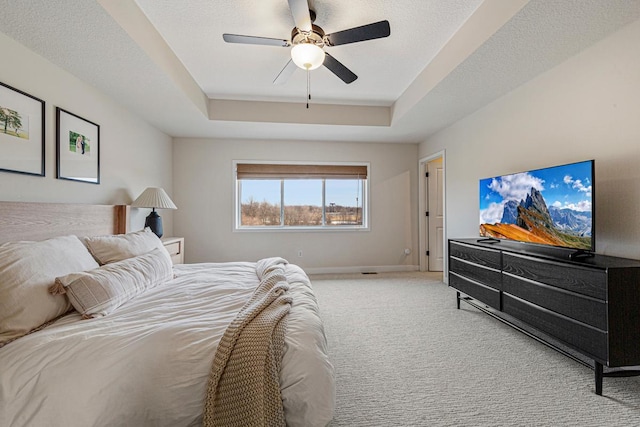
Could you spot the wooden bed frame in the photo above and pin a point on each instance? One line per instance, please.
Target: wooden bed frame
(39, 221)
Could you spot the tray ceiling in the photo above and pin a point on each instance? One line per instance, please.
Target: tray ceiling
(167, 62)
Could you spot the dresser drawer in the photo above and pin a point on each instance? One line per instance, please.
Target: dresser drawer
(175, 247)
(586, 309)
(587, 339)
(485, 257)
(486, 276)
(582, 280)
(482, 293)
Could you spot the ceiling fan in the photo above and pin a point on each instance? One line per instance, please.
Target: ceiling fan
(308, 41)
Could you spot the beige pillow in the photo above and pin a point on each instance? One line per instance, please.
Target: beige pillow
(27, 269)
(117, 247)
(100, 291)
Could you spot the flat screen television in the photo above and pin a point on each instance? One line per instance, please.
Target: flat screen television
(551, 206)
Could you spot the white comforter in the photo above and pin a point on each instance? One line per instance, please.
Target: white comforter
(147, 363)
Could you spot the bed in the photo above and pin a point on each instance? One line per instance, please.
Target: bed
(151, 357)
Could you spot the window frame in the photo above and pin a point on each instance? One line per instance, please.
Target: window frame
(366, 205)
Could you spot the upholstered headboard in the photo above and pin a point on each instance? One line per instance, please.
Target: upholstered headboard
(38, 221)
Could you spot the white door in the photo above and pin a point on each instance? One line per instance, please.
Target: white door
(435, 208)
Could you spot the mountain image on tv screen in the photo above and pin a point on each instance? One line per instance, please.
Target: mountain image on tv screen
(551, 206)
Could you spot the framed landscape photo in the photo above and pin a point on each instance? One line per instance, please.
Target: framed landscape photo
(21, 132)
(77, 148)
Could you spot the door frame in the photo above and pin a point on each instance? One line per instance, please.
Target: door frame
(423, 242)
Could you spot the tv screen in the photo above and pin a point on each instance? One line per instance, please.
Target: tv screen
(550, 206)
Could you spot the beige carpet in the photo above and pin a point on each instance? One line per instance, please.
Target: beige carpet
(405, 356)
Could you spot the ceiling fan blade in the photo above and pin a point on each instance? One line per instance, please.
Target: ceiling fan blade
(285, 73)
(377, 30)
(336, 67)
(300, 11)
(265, 41)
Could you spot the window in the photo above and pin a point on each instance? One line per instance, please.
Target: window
(288, 196)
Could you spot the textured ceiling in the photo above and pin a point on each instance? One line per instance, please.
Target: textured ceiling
(385, 67)
(166, 60)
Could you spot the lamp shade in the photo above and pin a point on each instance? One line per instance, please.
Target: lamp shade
(154, 197)
(307, 56)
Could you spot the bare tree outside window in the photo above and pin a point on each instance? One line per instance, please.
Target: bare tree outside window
(299, 202)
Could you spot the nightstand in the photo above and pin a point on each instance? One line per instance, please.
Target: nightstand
(175, 246)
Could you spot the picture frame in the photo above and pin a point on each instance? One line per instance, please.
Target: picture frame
(22, 132)
(77, 148)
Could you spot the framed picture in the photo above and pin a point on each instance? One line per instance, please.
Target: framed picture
(77, 148)
(21, 132)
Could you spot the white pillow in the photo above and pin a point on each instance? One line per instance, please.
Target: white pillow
(100, 291)
(117, 247)
(27, 269)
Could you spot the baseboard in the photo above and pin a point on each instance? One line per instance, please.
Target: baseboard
(362, 269)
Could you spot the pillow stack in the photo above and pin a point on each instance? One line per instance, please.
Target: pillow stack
(30, 272)
(130, 264)
(98, 292)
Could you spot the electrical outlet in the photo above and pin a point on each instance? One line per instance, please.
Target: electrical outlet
(300, 253)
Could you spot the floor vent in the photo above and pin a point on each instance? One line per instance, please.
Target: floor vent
(369, 272)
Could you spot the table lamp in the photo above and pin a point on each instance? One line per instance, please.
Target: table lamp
(156, 198)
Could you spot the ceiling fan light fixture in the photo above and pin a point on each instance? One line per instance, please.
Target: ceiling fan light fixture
(307, 56)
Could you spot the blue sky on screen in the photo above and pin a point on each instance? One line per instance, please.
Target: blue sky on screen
(342, 192)
(567, 186)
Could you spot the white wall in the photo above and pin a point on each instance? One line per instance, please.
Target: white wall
(586, 108)
(204, 193)
(133, 154)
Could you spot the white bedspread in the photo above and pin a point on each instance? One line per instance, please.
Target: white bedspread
(147, 363)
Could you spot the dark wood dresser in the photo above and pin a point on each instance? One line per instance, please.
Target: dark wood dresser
(588, 308)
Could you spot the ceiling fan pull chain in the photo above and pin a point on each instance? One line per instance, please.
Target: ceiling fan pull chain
(308, 87)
